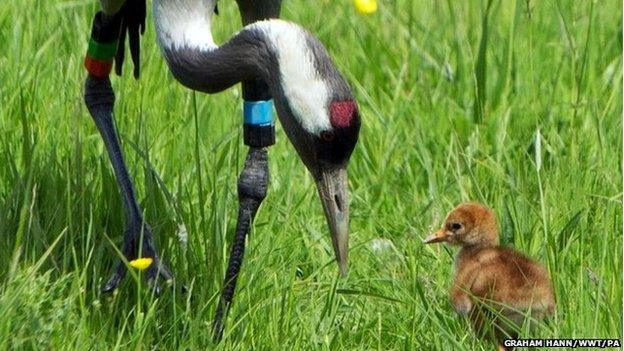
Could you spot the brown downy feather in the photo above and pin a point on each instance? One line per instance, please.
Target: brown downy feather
(496, 287)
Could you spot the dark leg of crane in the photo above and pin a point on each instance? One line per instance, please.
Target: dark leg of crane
(254, 179)
(100, 99)
(252, 187)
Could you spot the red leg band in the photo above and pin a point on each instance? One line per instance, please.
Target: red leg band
(98, 68)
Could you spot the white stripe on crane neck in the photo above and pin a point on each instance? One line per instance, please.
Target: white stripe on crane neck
(186, 24)
(304, 88)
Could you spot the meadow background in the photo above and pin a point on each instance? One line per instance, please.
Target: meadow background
(517, 106)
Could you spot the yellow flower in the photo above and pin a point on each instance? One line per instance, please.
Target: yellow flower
(365, 7)
(141, 263)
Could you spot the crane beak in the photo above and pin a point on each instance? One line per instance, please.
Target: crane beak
(333, 190)
(436, 237)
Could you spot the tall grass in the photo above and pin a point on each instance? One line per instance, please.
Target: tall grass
(539, 140)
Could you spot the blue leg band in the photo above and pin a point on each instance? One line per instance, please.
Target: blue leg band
(259, 127)
(258, 113)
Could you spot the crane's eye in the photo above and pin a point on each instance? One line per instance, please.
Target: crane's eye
(327, 136)
(456, 226)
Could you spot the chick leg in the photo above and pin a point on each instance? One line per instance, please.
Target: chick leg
(460, 299)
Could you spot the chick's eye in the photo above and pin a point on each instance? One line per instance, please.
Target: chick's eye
(456, 226)
(327, 136)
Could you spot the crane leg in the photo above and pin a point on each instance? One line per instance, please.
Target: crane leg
(254, 179)
(252, 187)
(137, 241)
(100, 100)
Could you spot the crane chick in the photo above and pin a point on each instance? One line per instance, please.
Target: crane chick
(496, 287)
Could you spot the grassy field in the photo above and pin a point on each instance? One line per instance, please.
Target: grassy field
(518, 107)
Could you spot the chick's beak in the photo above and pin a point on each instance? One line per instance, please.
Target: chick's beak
(436, 237)
(333, 190)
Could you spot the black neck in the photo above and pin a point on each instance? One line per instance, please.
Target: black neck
(252, 11)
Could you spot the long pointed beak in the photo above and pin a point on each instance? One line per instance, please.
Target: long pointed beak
(436, 237)
(334, 193)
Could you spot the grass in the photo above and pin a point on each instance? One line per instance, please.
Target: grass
(520, 110)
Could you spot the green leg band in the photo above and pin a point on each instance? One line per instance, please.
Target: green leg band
(102, 51)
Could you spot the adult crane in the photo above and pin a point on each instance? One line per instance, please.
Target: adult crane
(277, 61)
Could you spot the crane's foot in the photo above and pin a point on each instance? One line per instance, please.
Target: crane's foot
(137, 244)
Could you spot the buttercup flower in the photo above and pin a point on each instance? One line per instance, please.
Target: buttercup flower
(365, 7)
(141, 263)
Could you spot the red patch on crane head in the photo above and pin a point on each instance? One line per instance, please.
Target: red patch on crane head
(342, 113)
